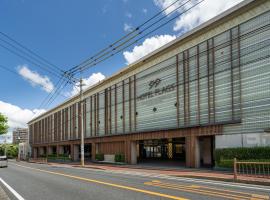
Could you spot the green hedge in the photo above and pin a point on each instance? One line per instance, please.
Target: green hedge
(229, 163)
(224, 157)
(99, 156)
(119, 157)
(245, 153)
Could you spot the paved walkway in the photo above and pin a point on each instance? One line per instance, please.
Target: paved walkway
(179, 172)
(3, 195)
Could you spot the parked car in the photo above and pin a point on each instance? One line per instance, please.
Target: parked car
(3, 161)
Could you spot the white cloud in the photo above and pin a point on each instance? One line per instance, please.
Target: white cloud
(144, 10)
(128, 27)
(35, 78)
(149, 45)
(18, 117)
(91, 80)
(129, 15)
(197, 15)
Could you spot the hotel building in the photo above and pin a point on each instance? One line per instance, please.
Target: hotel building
(205, 90)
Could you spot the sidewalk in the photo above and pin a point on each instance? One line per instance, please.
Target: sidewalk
(179, 172)
(3, 195)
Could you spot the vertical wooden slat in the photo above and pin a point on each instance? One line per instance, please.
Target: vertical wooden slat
(208, 83)
(95, 114)
(188, 92)
(184, 84)
(91, 114)
(177, 91)
(98, 114)
(232, 86)
(110, 110)
(213, 79)
(115, 108)
(105, 112)
(198, 85)
(123, 105)
(239, 69)
(135, 105)
(129, 100)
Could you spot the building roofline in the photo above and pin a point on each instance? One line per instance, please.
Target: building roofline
(229, 13)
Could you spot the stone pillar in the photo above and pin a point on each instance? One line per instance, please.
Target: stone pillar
(133, 148)
(192, 152)
(76, 152)
(93, 153)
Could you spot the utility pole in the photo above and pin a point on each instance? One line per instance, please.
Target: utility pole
(5, 142)
(82, 124)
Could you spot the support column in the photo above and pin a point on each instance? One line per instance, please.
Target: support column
(49, 150)
(128, 151)
(133, 147)
(72, 151)
(60, 149)
(76, 152)
(93, 153)
(192, 152)
(41, 151)
(35, 152)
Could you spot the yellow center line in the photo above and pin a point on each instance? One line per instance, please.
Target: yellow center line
(236, 192)
(193, 188)
(107, 183)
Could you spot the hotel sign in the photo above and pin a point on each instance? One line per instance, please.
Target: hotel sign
(154, 90)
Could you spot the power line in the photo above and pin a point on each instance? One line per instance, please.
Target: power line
(31, 51)
(25, 53)
(93, 63)
(16, 73)
(31, 61)
(132, 33)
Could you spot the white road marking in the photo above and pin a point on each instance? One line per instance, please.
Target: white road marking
(16, 194)
(169, 177)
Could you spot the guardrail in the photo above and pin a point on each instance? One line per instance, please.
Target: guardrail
(253, 169)
(38, 160)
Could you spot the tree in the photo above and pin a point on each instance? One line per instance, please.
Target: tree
(3, 124)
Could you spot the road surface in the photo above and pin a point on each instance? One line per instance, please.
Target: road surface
(45, 182)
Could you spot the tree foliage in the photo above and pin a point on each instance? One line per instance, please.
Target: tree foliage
(12, 150)
(3, 124)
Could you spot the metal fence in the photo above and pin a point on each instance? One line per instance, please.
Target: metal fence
(252, 169)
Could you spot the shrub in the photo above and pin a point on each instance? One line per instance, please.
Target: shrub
(224, 157)
(245, 153)
(99, 156)
(119, 157)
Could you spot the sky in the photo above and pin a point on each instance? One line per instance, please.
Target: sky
(67, 32)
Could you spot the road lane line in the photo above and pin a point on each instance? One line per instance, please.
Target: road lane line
(213, 189)
(106, 183)
(16, 194)
(177, 178)
(197, 191)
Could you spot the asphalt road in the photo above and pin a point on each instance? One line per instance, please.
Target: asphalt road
(44, 182)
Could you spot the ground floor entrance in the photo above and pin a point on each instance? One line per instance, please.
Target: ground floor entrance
(192, 147)
(162, 151)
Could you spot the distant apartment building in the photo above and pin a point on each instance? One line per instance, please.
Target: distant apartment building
(20, 135)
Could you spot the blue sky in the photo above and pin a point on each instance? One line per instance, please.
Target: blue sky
(66, 32)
